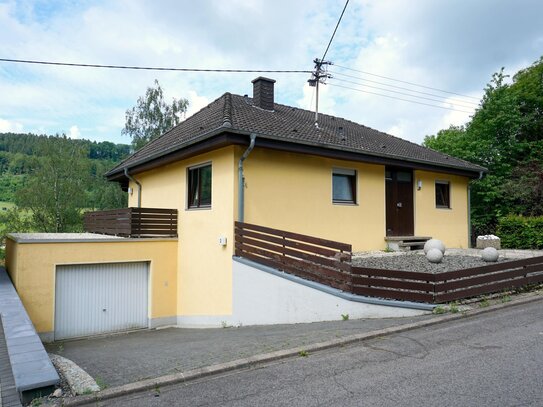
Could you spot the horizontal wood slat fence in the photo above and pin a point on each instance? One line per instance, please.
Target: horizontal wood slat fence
(330, 263)
(133, 222)
(312, 258)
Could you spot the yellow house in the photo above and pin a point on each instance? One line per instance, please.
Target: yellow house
(253, 160)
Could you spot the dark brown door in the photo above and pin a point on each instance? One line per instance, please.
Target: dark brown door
(399, 202)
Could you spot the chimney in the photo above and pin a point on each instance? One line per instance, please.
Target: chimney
(263, 92)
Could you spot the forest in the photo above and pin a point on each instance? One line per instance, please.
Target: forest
(505, 135)
(46, 182)
(20, 155)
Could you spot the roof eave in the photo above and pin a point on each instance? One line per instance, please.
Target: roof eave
(211, 140)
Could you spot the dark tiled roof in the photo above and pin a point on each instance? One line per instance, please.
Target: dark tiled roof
(290, 124)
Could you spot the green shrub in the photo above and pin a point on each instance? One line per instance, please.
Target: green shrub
(519, 232)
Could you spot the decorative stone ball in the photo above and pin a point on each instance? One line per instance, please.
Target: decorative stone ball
(434, 244)
(490, 254)
(434, 255)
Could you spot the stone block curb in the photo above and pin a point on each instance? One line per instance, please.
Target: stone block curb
(194, 374)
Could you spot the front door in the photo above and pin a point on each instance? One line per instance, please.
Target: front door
(399, 202)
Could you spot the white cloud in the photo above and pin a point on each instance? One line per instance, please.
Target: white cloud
(308, 101)
(196, 102)
(8, 126)
(74, 132)
(447, 45)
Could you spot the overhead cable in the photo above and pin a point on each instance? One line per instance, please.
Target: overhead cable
(394, 97)
(450, 98)
(335, 29)
(147, 68)
(407, 82)
(406, 94)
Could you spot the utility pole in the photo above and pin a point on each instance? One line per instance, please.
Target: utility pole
(318, 76)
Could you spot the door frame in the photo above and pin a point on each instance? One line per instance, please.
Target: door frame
(407, 227)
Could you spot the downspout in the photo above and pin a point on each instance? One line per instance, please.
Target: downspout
(241, 179)
(481, 174)
(469, 216)
(134, 180)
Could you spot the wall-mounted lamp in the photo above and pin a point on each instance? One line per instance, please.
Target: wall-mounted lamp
(419, 185)
(130, 191)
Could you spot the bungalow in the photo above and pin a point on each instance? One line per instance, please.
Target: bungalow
(251, 160)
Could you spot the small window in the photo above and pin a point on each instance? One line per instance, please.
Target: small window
(443, 196)
(403, 176)
(344, 186)
(199, 186)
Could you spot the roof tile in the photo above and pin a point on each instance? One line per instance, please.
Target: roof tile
(234, 112)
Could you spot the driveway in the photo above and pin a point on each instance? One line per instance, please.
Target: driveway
(126, 358)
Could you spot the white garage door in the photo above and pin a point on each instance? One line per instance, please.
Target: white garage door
(92, 299)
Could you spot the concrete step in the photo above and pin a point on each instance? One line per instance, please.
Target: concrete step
(406, 243)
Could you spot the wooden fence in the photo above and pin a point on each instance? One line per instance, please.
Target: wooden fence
(312, 258)
(133, 222)
(329, 262)
(448, 286)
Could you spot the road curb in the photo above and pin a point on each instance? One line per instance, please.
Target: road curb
(194, 374)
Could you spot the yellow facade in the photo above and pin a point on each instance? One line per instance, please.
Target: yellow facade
(294, 192)
(205, 267)
(193, 275)
(447, 224)
(32, 269)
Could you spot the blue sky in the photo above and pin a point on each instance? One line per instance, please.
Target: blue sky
(450, 45)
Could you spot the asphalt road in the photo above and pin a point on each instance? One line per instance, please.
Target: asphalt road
(494, 359)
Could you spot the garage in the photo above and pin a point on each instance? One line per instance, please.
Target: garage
(94, 299)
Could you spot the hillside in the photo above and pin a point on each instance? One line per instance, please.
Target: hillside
(20, 155)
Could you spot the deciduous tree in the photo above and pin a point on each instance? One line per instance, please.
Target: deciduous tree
(152, 116)
(55, 192)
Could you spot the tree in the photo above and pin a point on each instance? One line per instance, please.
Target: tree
(102, 194)
(152, 116)
(55, 192)
(12, 221)
(505, 135)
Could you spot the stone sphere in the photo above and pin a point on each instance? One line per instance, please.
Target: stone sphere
(434, 244)
(434, 255)
(490, 254)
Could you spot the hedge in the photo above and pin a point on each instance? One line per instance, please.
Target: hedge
(519, 232)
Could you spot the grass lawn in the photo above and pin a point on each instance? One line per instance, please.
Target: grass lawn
(4, 205)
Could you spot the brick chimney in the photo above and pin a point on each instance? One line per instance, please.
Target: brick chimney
(263, 92)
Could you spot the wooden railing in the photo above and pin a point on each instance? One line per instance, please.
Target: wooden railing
(448, 286)
(133, 222)
(497, 277)
(329, 262)
(393, 284)
(308, 257)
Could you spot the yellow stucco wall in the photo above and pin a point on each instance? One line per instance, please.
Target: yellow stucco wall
(193, 275)
(34, 265)
(205, 267)
(294, 192)
(447, 224)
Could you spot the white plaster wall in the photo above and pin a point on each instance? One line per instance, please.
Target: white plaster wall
(261, 298)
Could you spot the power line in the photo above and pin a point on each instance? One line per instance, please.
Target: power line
(335, 29)
(407, 82)
(394, 97)
(401, 87)
(405, 94)
(147, 68)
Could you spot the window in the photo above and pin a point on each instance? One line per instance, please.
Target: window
(443, 197)
(344, 186)
(199, 186)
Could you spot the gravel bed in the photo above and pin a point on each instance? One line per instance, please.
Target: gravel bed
(418, 262)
